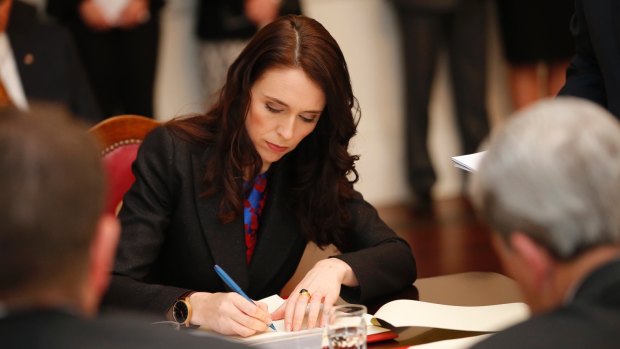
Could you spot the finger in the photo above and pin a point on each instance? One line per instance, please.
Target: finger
(251, 309)
(240, 329)
(289, 311)
(264, 307)
(313, 311)
(252, 323)
(328, 304)
(300, 311)
(279, 313)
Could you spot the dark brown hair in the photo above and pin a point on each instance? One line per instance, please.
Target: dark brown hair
(52, 191)
(323, 171)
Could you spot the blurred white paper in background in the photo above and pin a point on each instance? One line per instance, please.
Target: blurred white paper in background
(469, 162)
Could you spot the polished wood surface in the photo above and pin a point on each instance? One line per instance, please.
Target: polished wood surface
(450, 239)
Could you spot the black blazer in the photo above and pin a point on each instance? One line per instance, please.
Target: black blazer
(55, 329)
(594, 72)
(590, 320)
(171, 237)
(48, 63)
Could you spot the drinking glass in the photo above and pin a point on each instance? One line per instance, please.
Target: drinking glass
(346, 328)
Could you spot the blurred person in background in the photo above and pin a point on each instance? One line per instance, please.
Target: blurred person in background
(594, 71)
(39, 62)
(225, 26)
(118, 42)
(537, 45)
(427, 26)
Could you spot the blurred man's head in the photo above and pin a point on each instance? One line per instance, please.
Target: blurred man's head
(56, 247)
(550, 187)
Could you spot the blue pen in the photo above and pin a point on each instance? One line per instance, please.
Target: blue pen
(233, 285)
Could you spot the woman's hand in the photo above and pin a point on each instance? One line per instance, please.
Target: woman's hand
(322, 284)
(228, 313)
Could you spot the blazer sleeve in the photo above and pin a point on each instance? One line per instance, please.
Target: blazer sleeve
(381, 261)
(145, 217)
(584, 77)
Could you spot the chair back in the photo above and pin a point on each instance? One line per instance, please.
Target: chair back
(119, 138)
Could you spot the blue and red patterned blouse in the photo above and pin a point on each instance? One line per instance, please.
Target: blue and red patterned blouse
(252, 208)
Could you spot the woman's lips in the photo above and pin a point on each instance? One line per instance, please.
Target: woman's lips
(276, 148)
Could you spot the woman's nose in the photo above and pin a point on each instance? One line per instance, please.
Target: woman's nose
(286, 128)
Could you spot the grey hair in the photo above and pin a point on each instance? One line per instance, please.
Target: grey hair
(553, 172)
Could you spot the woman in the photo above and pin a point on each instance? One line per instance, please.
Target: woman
(271, 157)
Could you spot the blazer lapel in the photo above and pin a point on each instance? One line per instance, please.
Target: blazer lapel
(225, 241)
(278, 232)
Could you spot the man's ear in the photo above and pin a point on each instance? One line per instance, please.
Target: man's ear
(535, 258)
(102, 253)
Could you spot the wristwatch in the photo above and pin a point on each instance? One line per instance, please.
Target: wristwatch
(182, 310)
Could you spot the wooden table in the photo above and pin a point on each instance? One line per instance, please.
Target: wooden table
(464, 289)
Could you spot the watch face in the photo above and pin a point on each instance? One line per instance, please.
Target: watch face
(180, 311)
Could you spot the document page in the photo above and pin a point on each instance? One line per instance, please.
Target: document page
(488, 318)
(468, 162)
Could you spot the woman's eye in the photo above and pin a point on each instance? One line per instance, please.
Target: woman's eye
(309, 119)
(272, 109)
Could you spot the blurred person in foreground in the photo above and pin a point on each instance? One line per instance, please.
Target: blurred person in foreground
(247, 185)
(57, 246)
(549, 186)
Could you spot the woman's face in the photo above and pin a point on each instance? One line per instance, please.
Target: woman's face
(285, 107)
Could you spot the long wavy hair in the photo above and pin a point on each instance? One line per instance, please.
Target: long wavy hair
(323, 171)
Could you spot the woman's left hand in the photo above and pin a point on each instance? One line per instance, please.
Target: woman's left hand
(322, 285)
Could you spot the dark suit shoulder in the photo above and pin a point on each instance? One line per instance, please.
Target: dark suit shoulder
(54, 329)
(575, 326)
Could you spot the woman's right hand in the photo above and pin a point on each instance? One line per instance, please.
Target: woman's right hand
(228, 313)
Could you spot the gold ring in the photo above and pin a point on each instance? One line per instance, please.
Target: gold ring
(305, 292)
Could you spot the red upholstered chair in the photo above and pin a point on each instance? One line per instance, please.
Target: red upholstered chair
(119, 138)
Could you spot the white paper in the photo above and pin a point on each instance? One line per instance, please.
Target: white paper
(112, 9)
(469, 162)
(488, 318)
(281, 338)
